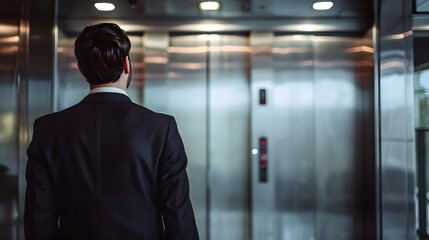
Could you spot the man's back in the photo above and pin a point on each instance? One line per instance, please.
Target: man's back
(110, 169)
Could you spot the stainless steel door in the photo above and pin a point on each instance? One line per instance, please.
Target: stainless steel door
(207, 91)
(304, 97)
(229, 132)
(311, 124)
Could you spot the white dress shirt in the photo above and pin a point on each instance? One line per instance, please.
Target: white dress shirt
(108, 90)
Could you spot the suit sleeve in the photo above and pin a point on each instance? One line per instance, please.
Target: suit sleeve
(176, 208)
(40, 214)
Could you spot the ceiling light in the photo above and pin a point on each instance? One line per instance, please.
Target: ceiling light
(322, 5)
(104, 6)
(209, 6)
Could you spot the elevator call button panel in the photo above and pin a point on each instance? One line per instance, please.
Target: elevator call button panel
(262, 96)
(263, 160)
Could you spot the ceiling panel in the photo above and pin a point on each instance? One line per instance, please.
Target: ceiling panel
(159, 14)
(230, 8)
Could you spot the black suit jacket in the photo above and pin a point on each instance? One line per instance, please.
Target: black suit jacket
(105, 169)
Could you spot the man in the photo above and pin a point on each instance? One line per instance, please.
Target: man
(107, 168)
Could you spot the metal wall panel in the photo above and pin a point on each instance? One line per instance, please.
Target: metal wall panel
(9, 166)
(25, 80)
(396, 120)
(338, 150)
(211, 105)
(293, 139)
(71, 87)
(314, 121)
(263, 222)
(228, 136)
(155, 62)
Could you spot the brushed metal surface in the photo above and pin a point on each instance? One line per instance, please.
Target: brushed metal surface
(229, 132)
(293, 140)
(396, 121)
(263, 222)
(316, 111)
(9, 126)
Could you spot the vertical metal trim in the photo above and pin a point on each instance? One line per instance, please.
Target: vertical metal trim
(377, 121)
(421, 170)
(249, 141)
(22, 110)
(316, 206)
(208, 191)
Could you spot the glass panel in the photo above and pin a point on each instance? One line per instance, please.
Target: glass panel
(421, 107)
(422, 5)
(421, 93)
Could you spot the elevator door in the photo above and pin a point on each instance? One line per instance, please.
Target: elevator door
(273, 127)
(276, 127)
(203, 81)
(309, 127)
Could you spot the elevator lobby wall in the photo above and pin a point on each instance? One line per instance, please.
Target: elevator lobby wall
(33, 83)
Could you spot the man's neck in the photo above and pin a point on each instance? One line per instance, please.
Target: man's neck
(93, 86)
(107, 90)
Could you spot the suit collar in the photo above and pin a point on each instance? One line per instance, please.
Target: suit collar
(106, 97)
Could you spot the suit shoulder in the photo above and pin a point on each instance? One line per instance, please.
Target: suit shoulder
(153, 114)
(47, 118)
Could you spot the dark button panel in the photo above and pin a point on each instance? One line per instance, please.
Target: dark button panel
(262, 96)
(263, 160)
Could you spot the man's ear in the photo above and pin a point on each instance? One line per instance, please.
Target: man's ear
(80, 68)
(127, 65)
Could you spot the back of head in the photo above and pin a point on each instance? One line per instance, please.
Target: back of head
(101, 50)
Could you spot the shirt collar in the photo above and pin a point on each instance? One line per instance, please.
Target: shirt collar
(107, 90)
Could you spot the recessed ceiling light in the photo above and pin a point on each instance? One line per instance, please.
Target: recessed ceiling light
(322, 5)
(209, 6)
(104, 6)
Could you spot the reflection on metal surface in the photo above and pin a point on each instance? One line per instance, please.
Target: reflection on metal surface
(396, 210)
(360, 49)
(397, 36)
(392, 65)
(13, 39)
(308, 27)
(8, 29)
(229, 122)
(203, 49)
(8, 49)
(10, 62)
(189, 50)
(288, 50)
(7, 126)
(190, 66)
(156, 60)
(315, 95)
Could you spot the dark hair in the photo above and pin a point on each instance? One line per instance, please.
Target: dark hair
(100, 51)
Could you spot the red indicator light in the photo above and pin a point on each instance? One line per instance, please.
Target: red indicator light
(264, 156)
(263, 141)
(263, 164)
